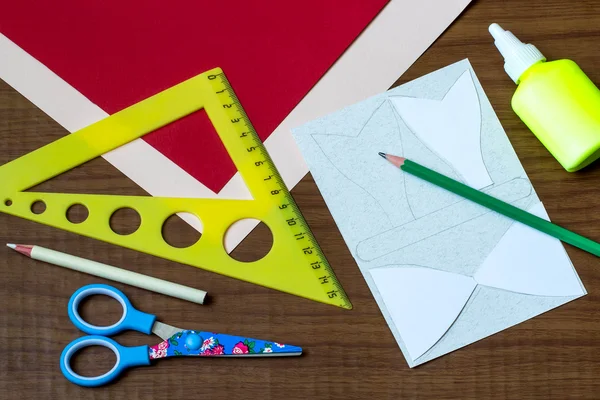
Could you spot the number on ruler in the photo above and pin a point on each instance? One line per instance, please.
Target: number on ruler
(294, 220)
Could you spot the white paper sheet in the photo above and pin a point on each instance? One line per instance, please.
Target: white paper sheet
(424, 302)
(372, 64)
(459, 117)
(445, 271)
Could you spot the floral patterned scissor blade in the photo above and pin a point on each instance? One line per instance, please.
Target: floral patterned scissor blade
(197, 343)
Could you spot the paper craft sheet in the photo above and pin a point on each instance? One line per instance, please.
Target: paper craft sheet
(366, 68)
(118, 53)
(445, 272)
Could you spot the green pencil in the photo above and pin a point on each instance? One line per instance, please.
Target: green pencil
(494, 204)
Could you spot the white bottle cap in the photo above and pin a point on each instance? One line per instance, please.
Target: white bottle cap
(518, 56)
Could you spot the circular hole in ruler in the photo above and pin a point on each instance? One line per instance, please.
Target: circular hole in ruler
(125, 221)
(93, 361)
(8, 202)
(182, 230)
(77, 213)
(38, 207)
(257, 245)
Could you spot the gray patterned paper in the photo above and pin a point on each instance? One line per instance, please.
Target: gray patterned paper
(388, 218)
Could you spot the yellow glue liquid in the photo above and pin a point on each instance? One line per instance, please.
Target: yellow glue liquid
(556, 100)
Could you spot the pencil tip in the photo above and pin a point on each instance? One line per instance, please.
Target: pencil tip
(382, 154)
(21, 248)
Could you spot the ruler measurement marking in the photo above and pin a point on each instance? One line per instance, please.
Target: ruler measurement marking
(310, 250)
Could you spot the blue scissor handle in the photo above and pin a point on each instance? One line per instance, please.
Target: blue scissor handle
(132, 319)
(127, 357)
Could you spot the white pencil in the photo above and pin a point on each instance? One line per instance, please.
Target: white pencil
(111, 273)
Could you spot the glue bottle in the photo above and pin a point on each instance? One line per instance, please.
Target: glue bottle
(556, 100)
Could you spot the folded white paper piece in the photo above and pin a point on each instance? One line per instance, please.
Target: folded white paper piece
(459, 116)
(378, 57)
(445, 271)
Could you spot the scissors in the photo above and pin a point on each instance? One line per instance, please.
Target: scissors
(176, 342)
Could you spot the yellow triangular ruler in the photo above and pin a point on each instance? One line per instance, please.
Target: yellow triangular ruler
(295, 263)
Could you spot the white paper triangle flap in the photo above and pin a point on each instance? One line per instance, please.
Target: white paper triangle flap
(458, 116)
(530, 262)
(423, 302)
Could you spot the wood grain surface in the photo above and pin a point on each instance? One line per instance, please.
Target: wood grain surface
(349, 354)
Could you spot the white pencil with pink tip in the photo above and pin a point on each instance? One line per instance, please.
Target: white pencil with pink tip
(112, 273)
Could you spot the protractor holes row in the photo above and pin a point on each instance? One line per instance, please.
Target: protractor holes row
(76, 214)
(126, 221)
(176, 231)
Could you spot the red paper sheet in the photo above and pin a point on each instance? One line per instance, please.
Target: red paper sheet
(118, 52)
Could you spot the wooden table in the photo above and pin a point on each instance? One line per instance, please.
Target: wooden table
(349, 354)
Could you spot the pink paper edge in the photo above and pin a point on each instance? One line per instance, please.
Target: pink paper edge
(367, 68)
